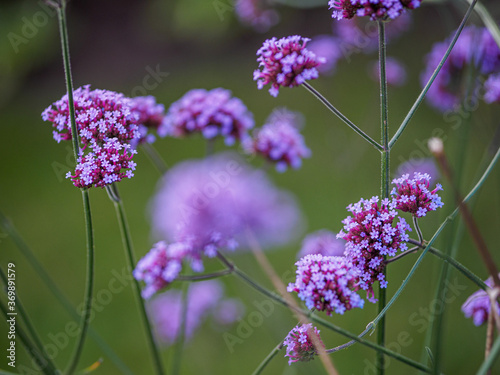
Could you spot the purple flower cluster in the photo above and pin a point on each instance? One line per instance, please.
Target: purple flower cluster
(322, 242)
(476, 47)
(285, 62)
(492, 89)
(210, 205)
(329, 48)
(299, 345)
(204, 299)
(212, 113)
(160, 266)
(279, 141)
(370, 234)
(106, 127)
(375, 9)
(413, 194)
(478, 305)
(256, 14)
(421, 165)
(326, 283)
(150, 117)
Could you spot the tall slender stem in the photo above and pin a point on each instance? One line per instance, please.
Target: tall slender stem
(89, 285)
(155, 157)
(268, 359)
(385, 172)
(341, 116)
(427, 86)
(129, 254)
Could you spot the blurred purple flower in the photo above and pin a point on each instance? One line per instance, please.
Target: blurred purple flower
(256, 14)
(395, 72)
(279, 140)
(285, 62)
(328, 47)
(150, 116)
(322, 242)
(212, 113)
(377, 10)
(211, 203)
(205, 299)
(424, 165)
(492, 89)
(476, 47)
(299, 346)
(478, 305)
(106, 127)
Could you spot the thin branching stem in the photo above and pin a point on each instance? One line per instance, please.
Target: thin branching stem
(268, 359)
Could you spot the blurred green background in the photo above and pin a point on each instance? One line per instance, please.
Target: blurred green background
(200, 44)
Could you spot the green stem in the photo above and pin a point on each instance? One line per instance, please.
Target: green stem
(89, 285)
(9, 228)
(385, 172)
(29, 326)
(61, 13)
(155, 157)
(268, 359)
(421, 97)
(417, 229)
(129, 253)
(488, 21)
(244, 277)
(28, 345)
(488, 362)
(339, 114)
(208, 276)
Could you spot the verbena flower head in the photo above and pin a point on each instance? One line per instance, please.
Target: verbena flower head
(279, 141)
(395, 72)
(212, 203)
(150, 117)
(475, 47)
(492, 89)
(212, 113)
(256, 14)
(421, 165)
(299, 345)
(285, 62)
(478, 305)
(326, 283)
(370, 234)
(322, 242)
(106, 127)
(204, 299)
(160, 266)
(413, 195)
(375, 9)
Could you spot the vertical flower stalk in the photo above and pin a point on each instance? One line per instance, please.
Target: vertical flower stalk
(131, 262)
(385, 175)
(89, 285)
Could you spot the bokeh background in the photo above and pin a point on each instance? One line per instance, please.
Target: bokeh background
(201, 44)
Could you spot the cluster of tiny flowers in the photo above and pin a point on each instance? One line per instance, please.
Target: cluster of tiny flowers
(413, 194)
(150, 116)
(160, 266)
(370, 235)
(478, 305)
(204, 299)
(475, 47)
(299, 345)
(106, 127)
(279, 141)
(212, 113)
(326, 284)
(322, 242)
(375, 9)
(285, 62)
(256, 13)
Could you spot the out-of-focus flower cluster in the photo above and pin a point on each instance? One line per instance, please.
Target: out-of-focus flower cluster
(476, 49)
(257, 14)
(322, 242)
(204, 299)
(212, 113)
(279, 141)
(478, 305)
(202, 207)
